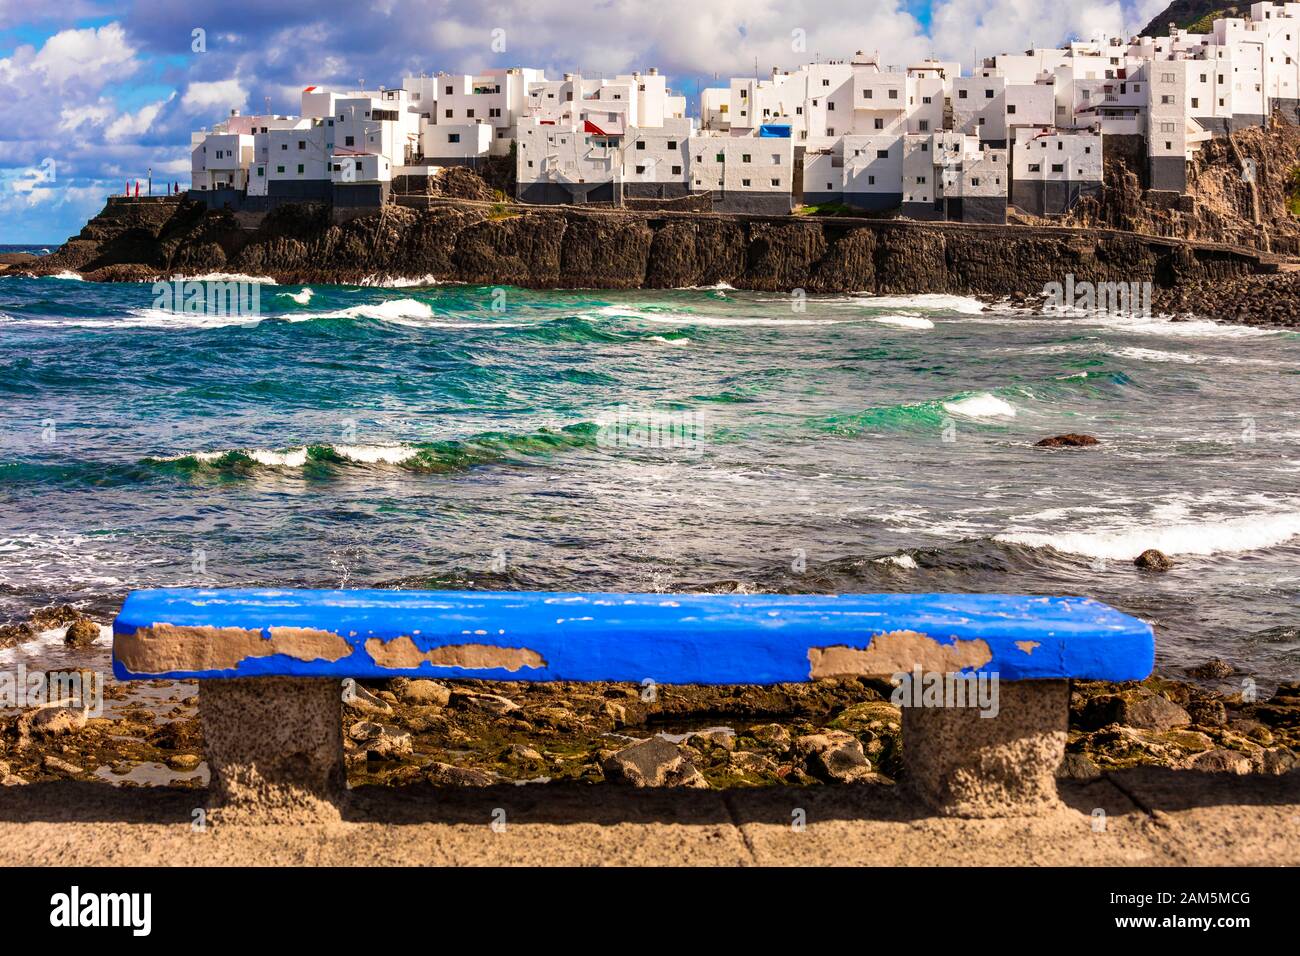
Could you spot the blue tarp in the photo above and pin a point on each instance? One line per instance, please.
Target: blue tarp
(776, 130)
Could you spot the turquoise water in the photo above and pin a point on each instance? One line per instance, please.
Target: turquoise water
(447, 436)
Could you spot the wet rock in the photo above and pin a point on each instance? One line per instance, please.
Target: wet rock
(81, 633)
(360, 700)
(833, 756)
(522, 754)
(1252, 730)
(1069, 440)
(12, 780)
(52, 721)
(1221, 761)
(486, 703)
(709, 739)
(449, 775)
(752, 762)
(1277, 761)
(1213, 669)
(1140, 709)
(614, 712)
(1208, 712)
(184, 762)
(379, 741)
(653, 763)
(53, 764)
(14, 634)
(1153, 560)
(772, 735)
(1077, 767)
(52, 618)
(557, 718)
(426, 693)
(1189, 740)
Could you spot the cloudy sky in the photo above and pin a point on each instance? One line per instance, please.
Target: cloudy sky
(94, 92)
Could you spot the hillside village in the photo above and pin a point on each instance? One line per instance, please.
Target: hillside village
(1025, 130)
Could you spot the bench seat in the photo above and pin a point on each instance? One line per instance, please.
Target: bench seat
(669, 638)
(272, 664)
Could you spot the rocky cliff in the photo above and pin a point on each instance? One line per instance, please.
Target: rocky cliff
(566, 247)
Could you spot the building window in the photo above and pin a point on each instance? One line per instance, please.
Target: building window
(1011, 109)
(640, 144)
(869, 94)
(776, 159)
(1035, 168)
(677, 170)
(882, 154)
(871, 180)
(830, 104)
(776, 182)
(672, 144)
(261, 171)
(302, 144)
(744, 182)
(1058, 167)
(920, 180)
(893, 94)
(988, 94)
(300, 169)
(640, 170)
(469, 114)
(927, 100)
(720, 158)
(975, 181)
(880, 123)
(358, 165)
(925, 126)
(453, 137)
(279, 169)
(744, 157)
(961, 94)
(1167, 78)
(448, 114)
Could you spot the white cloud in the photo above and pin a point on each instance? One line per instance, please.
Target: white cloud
(218, 95)
(128, 125)
(86, 56)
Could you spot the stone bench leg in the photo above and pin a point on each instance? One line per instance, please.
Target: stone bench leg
(965, 765)
(274, 748)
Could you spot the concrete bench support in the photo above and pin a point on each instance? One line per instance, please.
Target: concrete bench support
(965, 765)
(274, 748)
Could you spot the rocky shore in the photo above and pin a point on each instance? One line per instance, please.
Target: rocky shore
(484, 243)
(475, 733)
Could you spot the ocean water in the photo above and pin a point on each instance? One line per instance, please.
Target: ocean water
(449, 436)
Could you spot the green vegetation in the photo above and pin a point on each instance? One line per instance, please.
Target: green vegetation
(1293, 193)
(825, 209)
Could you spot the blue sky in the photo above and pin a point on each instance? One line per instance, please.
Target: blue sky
(94, 93)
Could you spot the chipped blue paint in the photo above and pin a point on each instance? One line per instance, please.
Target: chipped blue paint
(669, 638)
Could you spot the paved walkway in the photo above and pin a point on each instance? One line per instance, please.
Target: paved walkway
(1152, 817)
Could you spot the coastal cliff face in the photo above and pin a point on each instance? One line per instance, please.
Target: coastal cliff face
(482, 243)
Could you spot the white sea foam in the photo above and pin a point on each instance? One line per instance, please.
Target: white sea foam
(679, 340)
(904, 321)
(1212, 536)
(904, 561)
(297, 457)
(691, 318)
(230, 277)
(399, 282)
(69, 276)
(982, 405)
(934, 301)
(302, 298)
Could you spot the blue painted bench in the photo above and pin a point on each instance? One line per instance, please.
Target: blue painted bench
(271, 662)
